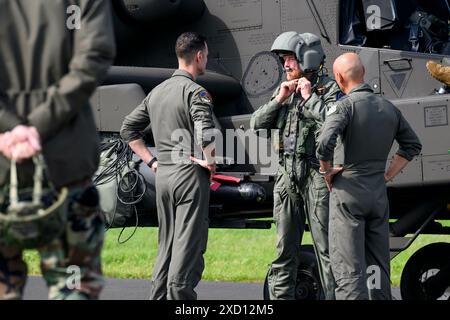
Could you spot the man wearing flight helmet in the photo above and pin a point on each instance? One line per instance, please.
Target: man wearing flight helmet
(298, 108)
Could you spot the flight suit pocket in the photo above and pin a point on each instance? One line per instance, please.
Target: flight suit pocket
(317, 202)
(272, 279)
(278, 196)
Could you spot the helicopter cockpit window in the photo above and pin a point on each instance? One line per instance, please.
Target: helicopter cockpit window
(409, 25)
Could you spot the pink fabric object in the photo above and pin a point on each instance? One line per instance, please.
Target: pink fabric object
(21, 143)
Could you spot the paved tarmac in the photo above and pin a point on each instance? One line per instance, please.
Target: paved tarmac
(126, 289)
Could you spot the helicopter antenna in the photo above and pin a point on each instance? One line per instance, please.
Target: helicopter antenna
(318, 20)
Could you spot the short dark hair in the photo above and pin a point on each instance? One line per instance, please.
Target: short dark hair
(188, 44)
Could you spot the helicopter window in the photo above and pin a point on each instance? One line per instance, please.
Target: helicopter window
(409, 25)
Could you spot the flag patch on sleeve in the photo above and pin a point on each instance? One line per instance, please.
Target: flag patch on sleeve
(205, 97)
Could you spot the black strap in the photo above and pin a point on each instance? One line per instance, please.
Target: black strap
(151, 162)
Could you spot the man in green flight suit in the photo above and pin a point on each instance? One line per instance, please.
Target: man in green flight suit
(180, 113)
(297, 109)
(359, 207)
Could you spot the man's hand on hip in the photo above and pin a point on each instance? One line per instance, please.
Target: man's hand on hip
(211, 167)
(329, 176)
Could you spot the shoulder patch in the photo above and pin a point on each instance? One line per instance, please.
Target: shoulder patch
(340, 96)
(332, 110)
(205, 97)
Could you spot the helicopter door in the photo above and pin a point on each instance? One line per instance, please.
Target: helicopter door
(404, 74)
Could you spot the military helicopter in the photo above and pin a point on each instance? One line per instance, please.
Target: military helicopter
(394, 39)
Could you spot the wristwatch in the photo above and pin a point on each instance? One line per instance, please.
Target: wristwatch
(151, 162)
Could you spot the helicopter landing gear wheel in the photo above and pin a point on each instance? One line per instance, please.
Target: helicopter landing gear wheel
(308, 285)
(422, 268)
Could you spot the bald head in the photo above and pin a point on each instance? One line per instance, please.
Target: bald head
(348, 71)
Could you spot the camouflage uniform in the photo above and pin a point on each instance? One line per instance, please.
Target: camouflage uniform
(298, 191)
(70, 264)
(48, 71)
